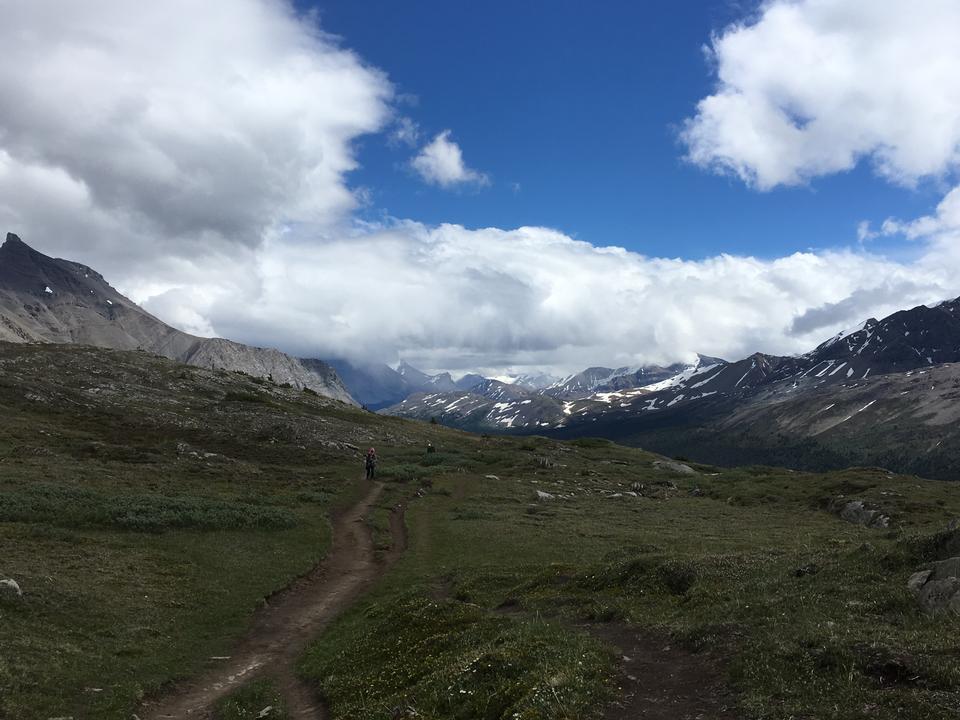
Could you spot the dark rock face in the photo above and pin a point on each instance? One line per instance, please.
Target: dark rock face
(907, 340)
(377, 386)
(373, 385)
(43, 299)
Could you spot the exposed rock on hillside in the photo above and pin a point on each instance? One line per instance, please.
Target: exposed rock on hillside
(10, 587)
(48, 300)
(937, 588)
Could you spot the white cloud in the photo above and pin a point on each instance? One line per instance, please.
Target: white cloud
(865, 233)
(405, 132)
(810, 87)
(200, 164)
(175, 129)
(441, 162)
(449, 297)
(942, 226)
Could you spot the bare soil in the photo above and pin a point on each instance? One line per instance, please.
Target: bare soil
(289, 620)
(660, 680)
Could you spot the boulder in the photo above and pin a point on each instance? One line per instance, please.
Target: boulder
(860, 513)
(937, 588)
(671, 466)
(545, 496)
(939, 595)
(11, 586)
(945, 569)
(917, 581)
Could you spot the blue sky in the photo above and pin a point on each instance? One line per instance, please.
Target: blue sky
(580, 106)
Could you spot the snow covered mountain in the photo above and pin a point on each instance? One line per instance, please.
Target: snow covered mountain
(604, 401)
(601, 379)
(530, 381)
(495, 404)
(48, 300)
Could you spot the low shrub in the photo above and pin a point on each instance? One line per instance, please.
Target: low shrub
(68, 506)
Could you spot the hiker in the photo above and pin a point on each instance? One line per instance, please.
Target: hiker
(430, 448)
(371, 463)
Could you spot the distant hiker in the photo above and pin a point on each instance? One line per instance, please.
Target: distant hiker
(371, 463)
(430, 448)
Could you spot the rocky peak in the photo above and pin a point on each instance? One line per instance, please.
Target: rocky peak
(13, 240)
(13, 247)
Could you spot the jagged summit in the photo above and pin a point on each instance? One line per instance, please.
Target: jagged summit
(49, 300)
(13, 239)
(14, 247)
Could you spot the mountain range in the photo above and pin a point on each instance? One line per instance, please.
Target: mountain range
(48, 300)
(883, 393)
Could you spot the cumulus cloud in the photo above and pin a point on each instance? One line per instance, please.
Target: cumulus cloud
(810, 87)
(176, 128)
(197, 154)
(453, 298)
(942, 226)
(440, 162)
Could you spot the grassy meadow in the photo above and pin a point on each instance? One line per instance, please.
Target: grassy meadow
(147, 509)
(494, 609)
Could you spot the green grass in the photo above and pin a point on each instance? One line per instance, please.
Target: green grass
(147, 521)
(258, 700)
(446, 659)
(147, 509)
(810, 613)
(77, 507)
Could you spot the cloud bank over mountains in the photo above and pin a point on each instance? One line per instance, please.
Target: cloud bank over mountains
(198, 154)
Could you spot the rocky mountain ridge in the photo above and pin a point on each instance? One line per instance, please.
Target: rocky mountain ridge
(48, 300)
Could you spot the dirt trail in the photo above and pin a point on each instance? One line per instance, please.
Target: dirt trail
(292, 618)
(661, 681)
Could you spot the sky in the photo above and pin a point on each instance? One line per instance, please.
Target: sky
(574, 113)
(497, 186)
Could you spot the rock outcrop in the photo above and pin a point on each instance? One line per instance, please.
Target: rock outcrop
(8, 586)
(937, 588)
(859, 512)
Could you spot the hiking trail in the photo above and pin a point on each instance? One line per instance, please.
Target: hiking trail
(289, 621)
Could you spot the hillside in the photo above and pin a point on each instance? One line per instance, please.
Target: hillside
(43, 299)
(147, 509)
(902, 421)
